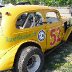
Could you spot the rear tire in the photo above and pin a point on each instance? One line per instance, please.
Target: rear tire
(30, 59)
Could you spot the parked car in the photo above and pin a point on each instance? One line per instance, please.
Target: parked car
(26, 33)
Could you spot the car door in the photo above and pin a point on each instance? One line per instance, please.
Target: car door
(40, 29)
(54, 29)
(30, 27)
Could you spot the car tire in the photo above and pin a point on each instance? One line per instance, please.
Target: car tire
(30, 59)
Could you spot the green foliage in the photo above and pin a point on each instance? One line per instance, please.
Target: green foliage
(46, 2)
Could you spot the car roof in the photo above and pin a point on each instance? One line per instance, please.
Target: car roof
(17, 9)
(26, 7)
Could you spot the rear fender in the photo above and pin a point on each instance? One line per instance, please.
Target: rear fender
(22, 44)
(7, 61)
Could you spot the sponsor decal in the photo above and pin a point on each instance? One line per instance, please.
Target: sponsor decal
(20, 37)
(41, 35)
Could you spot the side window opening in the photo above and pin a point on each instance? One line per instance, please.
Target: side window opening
(38, 19)
(28, 20)
(51, 17)
(25, 21)
(21, 20)
(0, 18)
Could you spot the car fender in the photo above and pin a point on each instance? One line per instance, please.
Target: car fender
(7, 61)
(67, 33)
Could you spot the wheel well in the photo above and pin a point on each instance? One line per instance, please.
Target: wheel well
(22, 46)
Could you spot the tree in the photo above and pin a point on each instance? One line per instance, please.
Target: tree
(47, 2)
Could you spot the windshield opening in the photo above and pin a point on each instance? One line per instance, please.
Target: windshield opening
(0, 18)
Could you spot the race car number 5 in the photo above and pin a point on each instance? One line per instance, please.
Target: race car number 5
(55, 36)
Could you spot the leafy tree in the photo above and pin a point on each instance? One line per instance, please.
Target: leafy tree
(47, 2)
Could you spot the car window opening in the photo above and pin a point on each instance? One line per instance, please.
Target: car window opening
(28, 20)
(51, 17)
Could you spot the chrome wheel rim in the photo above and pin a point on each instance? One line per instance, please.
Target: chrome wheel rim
(35, 63)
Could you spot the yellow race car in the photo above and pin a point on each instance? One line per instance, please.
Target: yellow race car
(26, 33)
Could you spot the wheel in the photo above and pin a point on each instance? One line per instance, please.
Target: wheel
(30, 59)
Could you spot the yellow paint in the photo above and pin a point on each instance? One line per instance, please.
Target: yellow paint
(11, 38)
(68, 32)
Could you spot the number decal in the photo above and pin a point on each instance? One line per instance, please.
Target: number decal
(58, 38)
(54, 36)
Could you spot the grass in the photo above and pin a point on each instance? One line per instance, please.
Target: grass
(60, 60)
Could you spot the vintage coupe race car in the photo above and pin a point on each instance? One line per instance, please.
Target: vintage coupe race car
(26, 33)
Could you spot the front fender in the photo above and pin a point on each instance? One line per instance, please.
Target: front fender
(67, 34)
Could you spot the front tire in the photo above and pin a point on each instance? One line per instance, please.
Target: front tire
(31, 59)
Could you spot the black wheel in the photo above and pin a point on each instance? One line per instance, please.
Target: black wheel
(30, 59)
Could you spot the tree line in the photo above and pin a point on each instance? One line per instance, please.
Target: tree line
(46, 2)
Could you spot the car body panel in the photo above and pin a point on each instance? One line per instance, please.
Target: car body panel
(7, 59)
(67, 33)
(12, 38)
